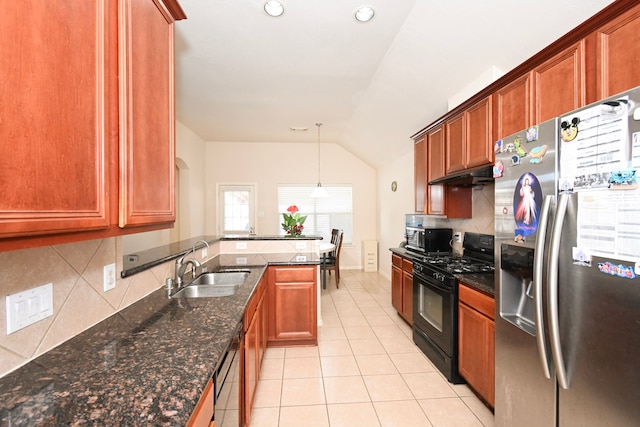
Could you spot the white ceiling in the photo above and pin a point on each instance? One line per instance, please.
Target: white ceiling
(244, 76)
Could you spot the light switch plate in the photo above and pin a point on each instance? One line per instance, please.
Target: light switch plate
(109, 277)
(28, 307)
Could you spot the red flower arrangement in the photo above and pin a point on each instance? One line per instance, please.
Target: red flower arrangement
(293, 222)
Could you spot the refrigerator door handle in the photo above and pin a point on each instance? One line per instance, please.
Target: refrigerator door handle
(552, 282)
(538, 264)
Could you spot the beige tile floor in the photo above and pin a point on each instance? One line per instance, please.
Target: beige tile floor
(365, 371)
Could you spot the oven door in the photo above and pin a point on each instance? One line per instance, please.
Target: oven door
(434, 311)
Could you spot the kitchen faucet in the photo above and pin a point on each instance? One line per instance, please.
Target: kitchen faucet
(181, 263)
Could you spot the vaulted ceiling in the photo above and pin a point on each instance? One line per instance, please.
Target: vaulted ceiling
(244, 76)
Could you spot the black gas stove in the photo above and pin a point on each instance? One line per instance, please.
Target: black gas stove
(435, 299)
(477, 258)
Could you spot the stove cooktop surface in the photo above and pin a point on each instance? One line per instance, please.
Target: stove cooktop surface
(457, 264)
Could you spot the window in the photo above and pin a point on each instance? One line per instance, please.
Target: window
(323, 214)
(236, 209)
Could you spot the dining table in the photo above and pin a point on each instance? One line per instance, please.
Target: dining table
(324, 249)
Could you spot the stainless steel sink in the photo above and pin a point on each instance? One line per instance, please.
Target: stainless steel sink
(206, 291)
(221, 278)
(217, 284)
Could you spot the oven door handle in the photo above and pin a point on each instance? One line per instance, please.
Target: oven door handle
(432, 283)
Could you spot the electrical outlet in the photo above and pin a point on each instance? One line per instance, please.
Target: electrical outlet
(301, 245)
(241, 245)
(457, 237)
(241, 260)
(204, 252)
(109, 277)
(30, 306)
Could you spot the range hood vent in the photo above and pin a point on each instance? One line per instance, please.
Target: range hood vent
(468, 178)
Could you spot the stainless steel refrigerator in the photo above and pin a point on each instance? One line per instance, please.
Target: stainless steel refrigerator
(567, 239)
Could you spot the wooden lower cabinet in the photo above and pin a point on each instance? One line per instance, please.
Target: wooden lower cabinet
(402, 287)
(255, 342)
(203, 413)
(476, 329)
(293, 305)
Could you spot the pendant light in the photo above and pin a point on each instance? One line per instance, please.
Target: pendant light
(319, 191)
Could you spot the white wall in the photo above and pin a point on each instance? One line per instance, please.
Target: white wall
(392, 206)
(190, 148)
(268, 164)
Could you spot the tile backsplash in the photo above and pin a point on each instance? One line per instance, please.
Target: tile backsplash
(483, 215)
(79, 301)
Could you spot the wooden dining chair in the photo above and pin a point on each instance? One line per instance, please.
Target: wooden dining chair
(333, 259)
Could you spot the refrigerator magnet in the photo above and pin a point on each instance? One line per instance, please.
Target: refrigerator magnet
(581, 257)
(519, 150)
(527, 202)
(623, 180)
(537, 153)
(620, 270)
(498, 169)
(569, 130)
(515, 160)
(531, 134)
(497, 147)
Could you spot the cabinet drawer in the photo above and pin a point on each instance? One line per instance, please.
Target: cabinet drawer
(396, 260)
(295, 274)
(479, 301)
(407, 265)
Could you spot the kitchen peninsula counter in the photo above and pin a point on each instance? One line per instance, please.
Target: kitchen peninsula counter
(148, 364)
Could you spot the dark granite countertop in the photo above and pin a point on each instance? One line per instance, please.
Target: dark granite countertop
(483, 282)
(145, 365)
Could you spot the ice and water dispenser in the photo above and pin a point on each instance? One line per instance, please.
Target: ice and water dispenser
(516, 286)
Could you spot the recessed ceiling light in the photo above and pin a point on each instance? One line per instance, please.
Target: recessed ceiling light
(364, 14)
(274, 8)
(299, 129)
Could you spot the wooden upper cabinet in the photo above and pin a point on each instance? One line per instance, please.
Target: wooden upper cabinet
(559, 84)
(420, 174)
(87, 107)
(618, 54)
(456, 143)
(479, 134)
(436, 153)
(436, 149)
(147, 115)
(512, 109)
(54, 114)
(470, 138)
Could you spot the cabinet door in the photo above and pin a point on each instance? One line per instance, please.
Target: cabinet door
(250, 365)
(147, 116)
(559, 84)
(420, 174)
(396, 288)
(456, 143)
(294, 311)
(436, 153)
(475, 349)
(618, 54)
(513, 107)
(479, 134)
(54, 116)
(407, 296)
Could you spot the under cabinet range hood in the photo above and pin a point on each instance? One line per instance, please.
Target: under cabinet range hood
(468, 177)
